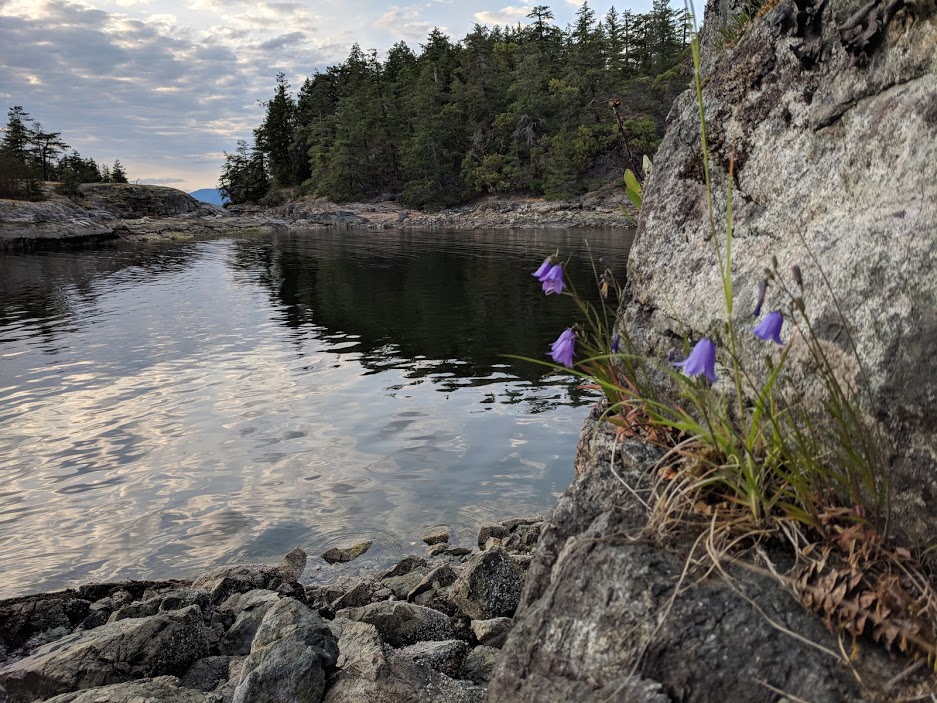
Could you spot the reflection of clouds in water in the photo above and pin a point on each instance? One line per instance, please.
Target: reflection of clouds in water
(162, 444)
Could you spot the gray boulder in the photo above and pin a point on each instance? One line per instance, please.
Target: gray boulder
(367, 674)
(161, 689)
(250, 609)
(479, 664)
(205, 674)
(440, 577)
(445, 656)
(489, 586)
(240, 578)
(400, 624)
(598, 607)
(290, 658)
(493, 632)
(138, 647)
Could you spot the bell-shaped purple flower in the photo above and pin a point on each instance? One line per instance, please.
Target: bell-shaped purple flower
(769, 329)
(544, 267)
(562, 350)
(616, 341)
(702, 360)
(553, 280)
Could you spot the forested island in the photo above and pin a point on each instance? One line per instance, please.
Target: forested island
(521, 110)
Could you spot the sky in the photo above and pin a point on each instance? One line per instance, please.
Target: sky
(167, 86)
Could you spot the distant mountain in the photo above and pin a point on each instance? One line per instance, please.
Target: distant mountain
(209, 195)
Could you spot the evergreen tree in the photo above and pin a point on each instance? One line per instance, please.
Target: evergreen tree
(275, 136)
(16, 135)
(244, 175)
(45, 146)
(118, 174)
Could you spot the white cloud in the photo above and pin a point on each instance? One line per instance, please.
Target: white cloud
(405, 23)
(504, 16)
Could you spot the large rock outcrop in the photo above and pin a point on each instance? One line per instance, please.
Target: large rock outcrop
(607, 615)
(830, 110)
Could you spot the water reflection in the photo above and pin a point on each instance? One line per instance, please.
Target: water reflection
(167, 409)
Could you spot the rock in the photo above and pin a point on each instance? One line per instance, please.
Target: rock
(492, 633)
(491, 529)
(172, 600)
(366, 674)
(479, 664)
(442, 575)
(513, 523)
(131, 201)
(163, 644)
(405, 566)
(437, 536)
(207, 673)
(224, 581)
(853, 140)
(404, 584)
(445, 656)
(161, 689)
(593, 605)
(400, 624)
(437, 549)
(250, 609)
(492, 542)
(291, 655)
(23, 618)
(457, 551)
(362, 592)
(343, 554)
(489, 586)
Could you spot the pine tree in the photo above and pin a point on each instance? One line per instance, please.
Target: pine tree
(45, 146)
(275, 135)
(118, 174)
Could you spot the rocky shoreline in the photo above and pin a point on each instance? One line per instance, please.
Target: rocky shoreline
(112, 211)
(428, 629)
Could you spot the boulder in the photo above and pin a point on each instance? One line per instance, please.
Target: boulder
(599, 607)
(479, 664)
(489, 530)
(400, 624)
(443, 575)
(337, 555)
(250, 609)
(444, 656)
(492, 633)
(205, 674)
(489, 586)
(367, 674)
(291, 656)
(166, 643)
(404, 566)
(161, 689)
(436, 536)
(240, 578)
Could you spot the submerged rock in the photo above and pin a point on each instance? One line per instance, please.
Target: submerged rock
(337, 555)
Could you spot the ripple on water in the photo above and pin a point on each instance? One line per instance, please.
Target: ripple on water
(168, 409)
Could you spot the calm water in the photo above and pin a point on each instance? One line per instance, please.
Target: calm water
(169, 408)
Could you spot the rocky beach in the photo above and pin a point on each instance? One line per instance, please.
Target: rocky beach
(112, 211)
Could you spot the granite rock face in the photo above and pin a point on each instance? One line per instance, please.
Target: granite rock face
(599, 620)
(833, 126)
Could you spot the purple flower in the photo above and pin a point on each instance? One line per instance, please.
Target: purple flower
(616, 340)
(544, 267)
(553, 280)
(769, 329)
(563, 348)
(702, 360)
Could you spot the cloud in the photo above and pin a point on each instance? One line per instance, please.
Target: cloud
(505, 16)
(284, 40)
(405, 23)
